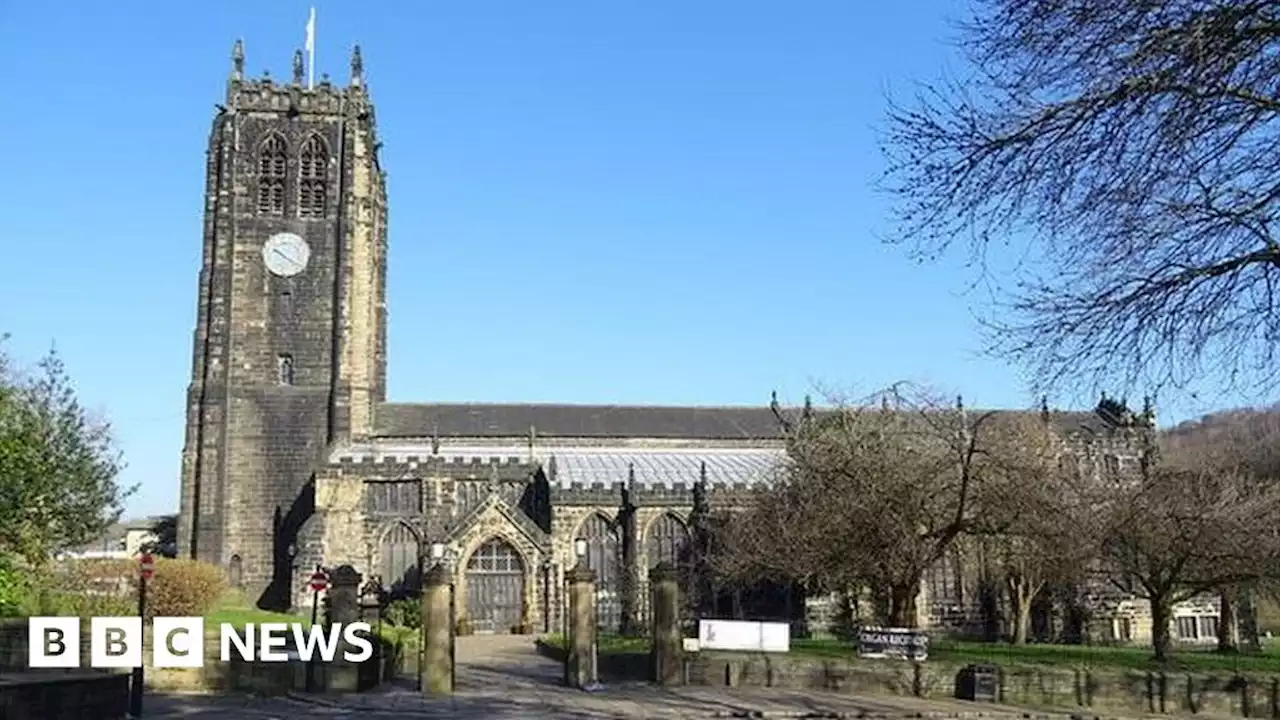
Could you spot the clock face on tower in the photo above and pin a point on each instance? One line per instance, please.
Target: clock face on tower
(285, 254)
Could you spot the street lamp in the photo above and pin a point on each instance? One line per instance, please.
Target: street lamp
(580, 547)
(437, 551)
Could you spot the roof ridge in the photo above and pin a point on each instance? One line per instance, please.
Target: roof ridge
(598, 406)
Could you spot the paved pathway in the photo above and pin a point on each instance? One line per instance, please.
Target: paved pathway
(502, 677)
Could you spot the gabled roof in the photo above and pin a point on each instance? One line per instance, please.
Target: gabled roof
(518, 519)
(401, 420)
(575, 421)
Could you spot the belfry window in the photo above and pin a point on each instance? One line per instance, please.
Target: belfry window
(273, 161)
(313, 168)
(284, 369)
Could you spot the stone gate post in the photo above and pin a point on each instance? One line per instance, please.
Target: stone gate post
(437, 633)
(580, 664)
(666, 654)
(344, 596)
(343, 608)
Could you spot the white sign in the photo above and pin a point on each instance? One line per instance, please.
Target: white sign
(691, 645)
(744, 636)
(116, 642)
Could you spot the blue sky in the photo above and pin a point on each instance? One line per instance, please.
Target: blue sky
(655, 201)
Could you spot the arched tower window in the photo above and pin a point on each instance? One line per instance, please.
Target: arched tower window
(235, 572)
(284, 369)
(313, 170)
(273, 161)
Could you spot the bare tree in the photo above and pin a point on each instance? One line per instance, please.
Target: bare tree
(1125, 150)
(1036, 516)
(1183, 532)
(775, 538)
(1246, 441)
(874, 494)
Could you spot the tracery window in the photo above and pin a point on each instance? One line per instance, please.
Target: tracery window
(1111, 465)
(313, 167)
(284, 369)
(273, 162)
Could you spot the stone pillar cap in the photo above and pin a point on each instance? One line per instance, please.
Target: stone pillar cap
(345, 575)
(581, 574)
(664, 571)
(437, 576)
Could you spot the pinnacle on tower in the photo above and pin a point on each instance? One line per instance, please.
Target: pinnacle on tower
(297, 67)
(357, 67)
(237, 60)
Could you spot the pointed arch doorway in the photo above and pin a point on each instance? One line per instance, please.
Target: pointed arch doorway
(495, 588)
(401, 566)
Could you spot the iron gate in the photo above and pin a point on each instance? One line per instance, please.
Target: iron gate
(604, 556)
(667, 540)
(495, 588)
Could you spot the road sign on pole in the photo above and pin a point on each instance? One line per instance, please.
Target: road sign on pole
(146, 569)
(319, 583)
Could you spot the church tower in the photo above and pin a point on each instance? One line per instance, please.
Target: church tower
(290, 334)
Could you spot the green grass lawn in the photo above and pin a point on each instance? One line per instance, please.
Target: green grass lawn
(239, 612)
(1130, 658)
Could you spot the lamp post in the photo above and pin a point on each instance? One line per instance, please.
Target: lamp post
(579, 552)
(546, 595)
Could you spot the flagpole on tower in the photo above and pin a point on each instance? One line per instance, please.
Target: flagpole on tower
(311, 50)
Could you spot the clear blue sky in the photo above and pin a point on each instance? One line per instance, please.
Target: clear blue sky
(657, 201)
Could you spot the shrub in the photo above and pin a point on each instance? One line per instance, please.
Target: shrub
(403, 613)
(86, 588)
(15, 589)
(183, 588)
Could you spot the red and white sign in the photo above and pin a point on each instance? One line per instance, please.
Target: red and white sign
(319, 581)
(147, 566)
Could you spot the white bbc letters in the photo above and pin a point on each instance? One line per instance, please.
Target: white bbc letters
(178, 642)
(115, 642)
(53, 642)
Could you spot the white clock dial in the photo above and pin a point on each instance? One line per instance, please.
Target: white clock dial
(285, 254)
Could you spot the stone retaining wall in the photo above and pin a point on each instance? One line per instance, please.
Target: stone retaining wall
(53, 696)
(1110, 691)
(15, 650)
(1115, 691)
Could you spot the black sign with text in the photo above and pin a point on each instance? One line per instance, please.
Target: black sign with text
(895, 643)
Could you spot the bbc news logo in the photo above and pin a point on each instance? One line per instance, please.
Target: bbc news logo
(178, 642)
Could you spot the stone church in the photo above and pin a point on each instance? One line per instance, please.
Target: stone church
(294, 458)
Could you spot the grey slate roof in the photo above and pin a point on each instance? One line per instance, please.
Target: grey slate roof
(575, 421)
(403, 420)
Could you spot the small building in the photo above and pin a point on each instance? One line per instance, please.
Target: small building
(121, 540)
